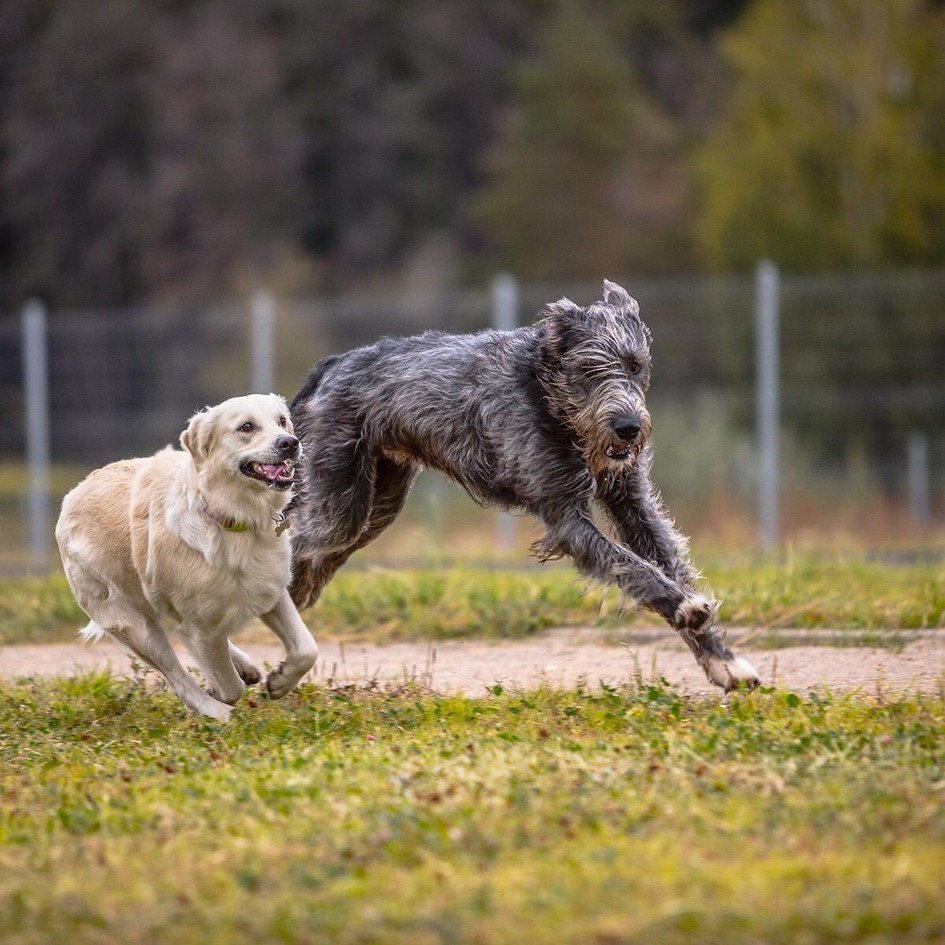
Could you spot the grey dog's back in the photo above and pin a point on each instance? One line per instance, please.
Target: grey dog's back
(433, 358)
(448, 400)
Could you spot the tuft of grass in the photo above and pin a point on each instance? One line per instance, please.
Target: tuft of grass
(460, 602)
(616, 815)
(813, 591)
(34, 609)
(809, 592)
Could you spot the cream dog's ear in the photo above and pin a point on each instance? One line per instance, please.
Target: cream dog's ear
(198, 438)
(289, 426)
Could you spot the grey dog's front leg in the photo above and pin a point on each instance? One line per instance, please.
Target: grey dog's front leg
(595, 555)
(634, 505)
(643, 524)
(689, 613)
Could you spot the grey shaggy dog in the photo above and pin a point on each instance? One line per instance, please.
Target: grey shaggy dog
(550, 418)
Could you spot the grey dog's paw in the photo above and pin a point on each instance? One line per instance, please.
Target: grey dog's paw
(734, 673)
(694, 612)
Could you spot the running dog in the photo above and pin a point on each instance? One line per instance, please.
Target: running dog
(550, 419)
(194, 539)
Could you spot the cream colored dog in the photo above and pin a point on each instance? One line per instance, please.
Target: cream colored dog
(194, 539)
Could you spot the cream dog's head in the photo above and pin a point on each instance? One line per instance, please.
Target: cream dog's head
(249, 437)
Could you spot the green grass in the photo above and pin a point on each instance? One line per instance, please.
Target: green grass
(629, 815)
(805, 592)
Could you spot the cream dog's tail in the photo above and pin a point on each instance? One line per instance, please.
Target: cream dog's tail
(92, 633)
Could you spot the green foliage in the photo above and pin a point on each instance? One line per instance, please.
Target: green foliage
(563, 200)
(628, 815)
(218, 144)
(830, 153)
(457, 602)
(180, 151)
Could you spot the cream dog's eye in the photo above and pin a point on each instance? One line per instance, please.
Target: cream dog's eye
(282, 422)
(247, 427)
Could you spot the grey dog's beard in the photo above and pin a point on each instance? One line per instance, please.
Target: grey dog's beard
(600, 463)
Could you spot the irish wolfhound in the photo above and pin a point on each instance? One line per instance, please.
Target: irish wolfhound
(550, 418)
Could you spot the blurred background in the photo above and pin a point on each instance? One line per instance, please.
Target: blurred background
(198, 199)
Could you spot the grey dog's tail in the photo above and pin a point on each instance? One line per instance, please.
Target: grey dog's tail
(313, 380)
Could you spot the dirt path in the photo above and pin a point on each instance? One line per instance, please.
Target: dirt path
(561, 657)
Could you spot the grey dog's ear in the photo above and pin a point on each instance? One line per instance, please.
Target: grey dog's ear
(561, 322)
(198, 437)
(564, 310)
(619, 297)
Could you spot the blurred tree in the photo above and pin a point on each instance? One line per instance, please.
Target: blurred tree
(398, 101)
(832, 153)
(148, 150)
(582, 180)
(74, 128)
(224, 184)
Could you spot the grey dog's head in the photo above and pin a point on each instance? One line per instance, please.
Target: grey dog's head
(595, 370)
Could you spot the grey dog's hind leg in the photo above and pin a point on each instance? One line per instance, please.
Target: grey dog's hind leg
(338, 490)
(391, 485)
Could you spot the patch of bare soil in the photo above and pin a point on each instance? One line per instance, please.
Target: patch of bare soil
(558, 658)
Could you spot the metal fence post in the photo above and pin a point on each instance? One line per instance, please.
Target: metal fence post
(920, 486)
(767, 318)
(505, 306)
(262, 356)
(36, 395)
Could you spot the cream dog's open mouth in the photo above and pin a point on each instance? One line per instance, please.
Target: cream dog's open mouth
(275, 475)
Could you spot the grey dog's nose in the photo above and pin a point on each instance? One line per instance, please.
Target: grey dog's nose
(287, 443)
(627, 428)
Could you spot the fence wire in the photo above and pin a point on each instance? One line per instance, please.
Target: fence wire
(861, 383)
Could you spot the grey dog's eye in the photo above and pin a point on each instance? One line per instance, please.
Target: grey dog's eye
(633, 366)
(247, 427)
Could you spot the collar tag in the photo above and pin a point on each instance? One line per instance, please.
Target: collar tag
(282, 523)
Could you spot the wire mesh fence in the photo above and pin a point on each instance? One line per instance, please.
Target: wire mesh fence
(861, 391)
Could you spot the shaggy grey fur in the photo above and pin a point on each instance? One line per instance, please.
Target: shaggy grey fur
(549, 418)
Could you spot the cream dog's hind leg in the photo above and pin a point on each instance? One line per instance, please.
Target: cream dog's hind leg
(119, 613)
(249, 672)
(148, 641)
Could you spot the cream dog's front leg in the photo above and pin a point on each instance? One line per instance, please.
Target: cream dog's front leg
(301, 650)
(211, 650)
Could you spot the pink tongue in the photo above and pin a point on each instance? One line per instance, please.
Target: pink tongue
(272, 472)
